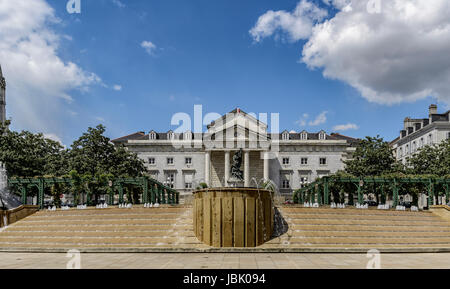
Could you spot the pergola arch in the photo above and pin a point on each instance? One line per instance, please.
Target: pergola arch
(152, 190)
(321, 187)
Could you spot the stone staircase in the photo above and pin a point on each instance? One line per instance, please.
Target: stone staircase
(164, 227)
(353, 228)
(170, 229)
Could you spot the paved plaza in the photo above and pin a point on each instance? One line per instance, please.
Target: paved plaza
(222, 261)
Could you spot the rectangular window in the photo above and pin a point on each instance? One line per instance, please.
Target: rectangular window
(285, 184)
(448, 135)
(170, 177)
(170, 161)
(151, 161)
(188, 161)
(304, 161)
(285, 161)
(188, 186)
(323, 161)
(303, 181)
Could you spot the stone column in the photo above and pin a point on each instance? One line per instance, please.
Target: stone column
(246, 169)
(266, 166)
(207, 168)
(227, 168)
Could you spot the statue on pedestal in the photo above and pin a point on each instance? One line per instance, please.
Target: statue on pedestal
(237, 176)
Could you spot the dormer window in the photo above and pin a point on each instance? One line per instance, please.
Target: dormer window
(170, 135)
(304, 136)
(152, 135)
(187, 135)
(285, 136)
(322, 135)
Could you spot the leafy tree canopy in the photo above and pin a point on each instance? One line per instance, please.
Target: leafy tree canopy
(433, 160)
(373, 157)
(29, 155)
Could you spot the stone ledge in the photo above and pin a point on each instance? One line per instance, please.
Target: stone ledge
(230, 250)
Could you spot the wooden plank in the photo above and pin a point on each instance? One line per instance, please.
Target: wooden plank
(227, 221)
(200, 219)
(217, 222)
(259, 223)
(195, 217)
(207, 221)
(239, 223)
(267, 218)
(250, 234)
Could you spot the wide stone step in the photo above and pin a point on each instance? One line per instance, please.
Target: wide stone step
(306, 216)
(166, 216)
(371, 211)
(69, 246)
(113, 211)
(353, 246)
(88, 227)
(369, 222)
(99, 240)
(355, 227)
(361, 240)
(392, 234)
(106, 222)
(98, 233)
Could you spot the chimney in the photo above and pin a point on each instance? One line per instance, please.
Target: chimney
(432, 109)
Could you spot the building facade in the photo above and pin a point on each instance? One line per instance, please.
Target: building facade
(417, 133)
(2, 97)
(288, 159)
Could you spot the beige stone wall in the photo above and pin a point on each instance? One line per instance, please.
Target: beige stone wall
(256, 167)
(17, 214)
(217, 169)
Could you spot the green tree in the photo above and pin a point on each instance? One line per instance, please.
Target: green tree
(28, 155)
(94, 154)
(373, 157)
(433, 160)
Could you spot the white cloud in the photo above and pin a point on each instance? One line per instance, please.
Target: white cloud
(53, 137)
(36, 76)
(117, 87)
(149, 47)
(101, 119)
(118, 3)
(398, 55)
(344, 5)
(297, 24)
(344, 127)
(320, 119)
(302, 120)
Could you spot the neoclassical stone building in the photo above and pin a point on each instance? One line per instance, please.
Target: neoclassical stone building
(2, 97)
(417, 133)
(289, 159)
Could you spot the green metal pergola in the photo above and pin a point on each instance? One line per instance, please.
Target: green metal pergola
(152, 190)
(319, 190)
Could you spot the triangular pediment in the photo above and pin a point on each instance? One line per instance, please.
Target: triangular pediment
(240, 121)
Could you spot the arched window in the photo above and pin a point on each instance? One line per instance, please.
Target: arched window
(285, 136)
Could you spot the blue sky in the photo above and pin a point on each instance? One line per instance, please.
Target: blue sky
(201, 53)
